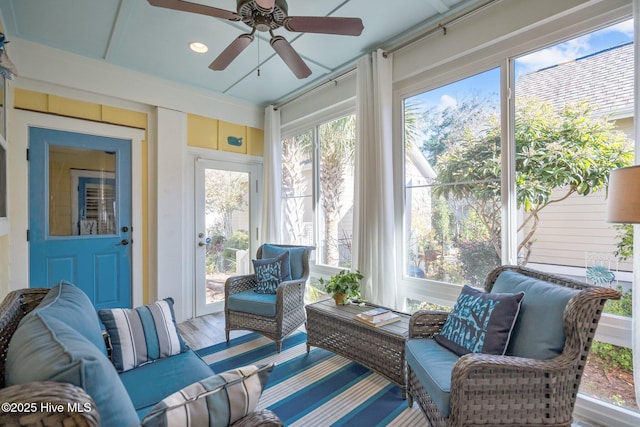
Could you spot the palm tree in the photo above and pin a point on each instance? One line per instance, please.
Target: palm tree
(296, 156)
(337, 149)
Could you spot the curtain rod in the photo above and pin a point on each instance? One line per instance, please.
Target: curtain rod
(439, 27)
(319, 86)
(433, 29)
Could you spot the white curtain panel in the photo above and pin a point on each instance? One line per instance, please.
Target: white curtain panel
(635, 309)
(272, 178)
(374, 234)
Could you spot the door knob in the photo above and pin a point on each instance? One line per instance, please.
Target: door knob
(123, 242)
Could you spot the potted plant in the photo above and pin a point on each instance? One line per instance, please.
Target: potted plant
(343, 286)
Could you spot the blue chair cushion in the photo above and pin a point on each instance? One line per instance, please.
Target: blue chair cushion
(296, 255)
(143, 334)
(270, 272)
(539, 329)
(233, 395)
(44, 349)
(70, 305)
(432, 365)
(149, 384)
(480, 322)
(253, 302)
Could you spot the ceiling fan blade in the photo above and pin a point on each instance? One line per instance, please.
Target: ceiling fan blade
(231, 52)
(266, 4)
(186, 6)
(290, 57)
(324, 25)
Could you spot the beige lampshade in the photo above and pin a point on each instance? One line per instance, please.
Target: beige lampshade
(623, 202)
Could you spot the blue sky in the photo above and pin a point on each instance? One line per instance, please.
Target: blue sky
(487, 84)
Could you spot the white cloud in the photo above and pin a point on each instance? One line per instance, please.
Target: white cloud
(447, 101)
(554, 55)
(625, 27)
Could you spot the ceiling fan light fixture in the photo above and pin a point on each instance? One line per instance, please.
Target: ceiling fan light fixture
(198, 47)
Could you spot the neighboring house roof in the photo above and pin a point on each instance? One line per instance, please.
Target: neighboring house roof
(604, 78)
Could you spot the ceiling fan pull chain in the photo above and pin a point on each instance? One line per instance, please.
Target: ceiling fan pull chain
(258, 56)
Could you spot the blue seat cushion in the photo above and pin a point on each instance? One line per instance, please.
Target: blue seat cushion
(254, 303)
(50, 350)
(296, 255)
(432, 365)
(539, 329)
(69, 304)
(149, 384)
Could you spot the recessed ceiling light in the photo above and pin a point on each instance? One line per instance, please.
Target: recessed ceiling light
(198, 47)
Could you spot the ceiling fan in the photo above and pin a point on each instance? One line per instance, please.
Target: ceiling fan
(266, 16)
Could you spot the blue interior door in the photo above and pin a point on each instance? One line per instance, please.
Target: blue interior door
(80, 214)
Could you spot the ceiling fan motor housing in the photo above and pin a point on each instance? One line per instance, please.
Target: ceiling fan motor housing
(261, 19)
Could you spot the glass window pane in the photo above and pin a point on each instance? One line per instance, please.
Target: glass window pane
(297, 189)
(573, 125)
(452, 181)
(82, 196)
(336, 153)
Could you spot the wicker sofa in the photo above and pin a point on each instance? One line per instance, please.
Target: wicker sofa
(530, 385)
(60, 403)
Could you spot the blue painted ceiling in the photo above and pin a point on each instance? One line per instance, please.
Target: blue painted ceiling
(135, 35)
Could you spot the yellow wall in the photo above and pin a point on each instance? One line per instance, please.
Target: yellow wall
(215, 134)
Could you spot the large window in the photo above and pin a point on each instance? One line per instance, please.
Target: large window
(573, 125)
(317, 189)
(452, 200)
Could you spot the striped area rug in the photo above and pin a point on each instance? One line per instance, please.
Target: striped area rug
(319, 388)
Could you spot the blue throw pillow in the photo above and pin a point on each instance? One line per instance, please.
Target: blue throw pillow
(143, 334)
(480, 322)
(270, 272)
(219, 400)
(296, 255)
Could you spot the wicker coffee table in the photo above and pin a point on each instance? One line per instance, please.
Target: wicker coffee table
(334, 328)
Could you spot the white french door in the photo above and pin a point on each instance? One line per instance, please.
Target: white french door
(226, 206)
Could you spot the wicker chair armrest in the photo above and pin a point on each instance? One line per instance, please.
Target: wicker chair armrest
(291, 293)
(264, 418)
(481, 380)
(236, 284)
(48, 403)
(426, 323)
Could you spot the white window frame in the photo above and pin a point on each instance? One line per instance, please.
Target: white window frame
(612, 329)
(311, 124)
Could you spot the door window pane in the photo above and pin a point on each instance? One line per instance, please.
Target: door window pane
(452, 181)
(82, 197)
(227, 229)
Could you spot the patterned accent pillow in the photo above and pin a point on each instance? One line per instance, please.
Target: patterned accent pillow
(143, 334)
(270, 272)
(219, 400)
(480, 322)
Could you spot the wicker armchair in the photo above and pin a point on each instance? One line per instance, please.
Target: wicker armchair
(289, 303)
(14, 307)
(506, 390)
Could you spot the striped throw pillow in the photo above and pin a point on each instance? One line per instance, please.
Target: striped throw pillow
(219, 400)
(142, 334)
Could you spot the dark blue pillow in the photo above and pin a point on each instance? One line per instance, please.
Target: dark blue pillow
(270, 272)
(480, 322)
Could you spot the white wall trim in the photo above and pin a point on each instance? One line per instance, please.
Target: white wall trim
(18, 170)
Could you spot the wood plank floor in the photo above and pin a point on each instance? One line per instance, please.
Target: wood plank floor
(204, 331)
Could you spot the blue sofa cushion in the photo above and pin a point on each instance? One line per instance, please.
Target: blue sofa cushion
(296, 255)
(433, 365)
(270, 272)
(143, 334)
(539, 329)
(253, 302)
(480, 322)
(69, 304)
(167, 375)
(219, 400)
(45, 349)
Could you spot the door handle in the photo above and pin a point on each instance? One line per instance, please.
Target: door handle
(123, 242)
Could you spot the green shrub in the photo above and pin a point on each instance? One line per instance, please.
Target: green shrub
(478, 259)
(611, 356)
(621, 307)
